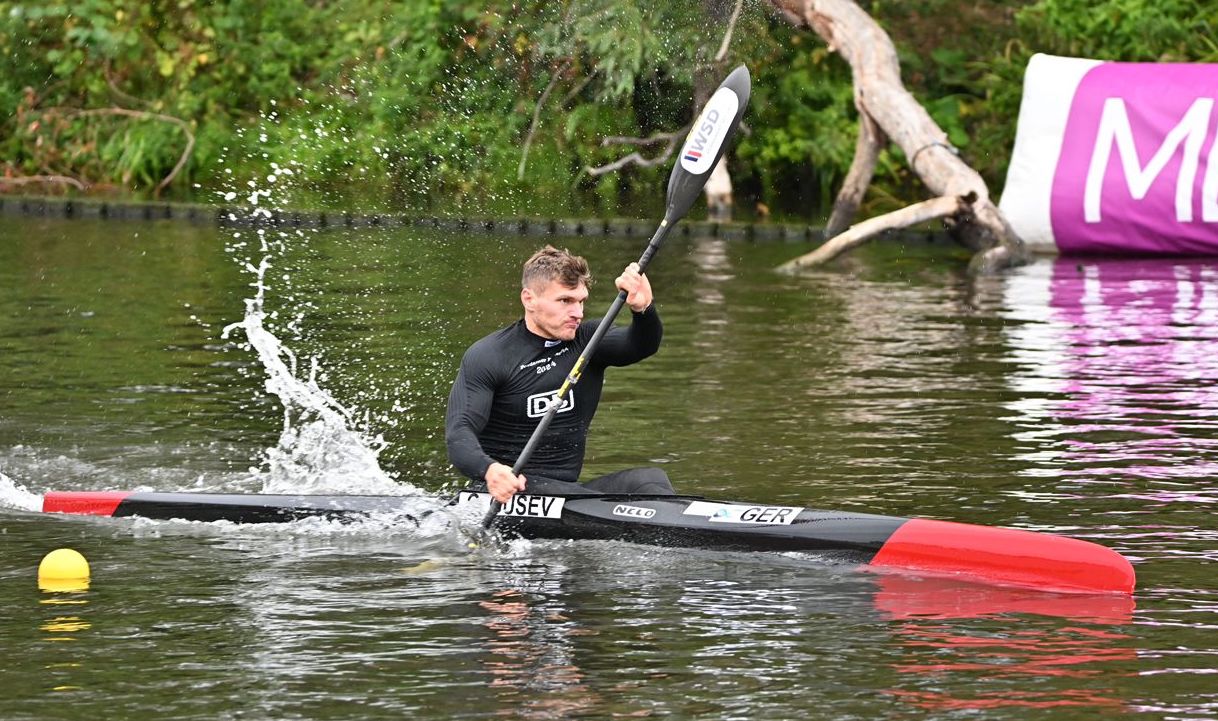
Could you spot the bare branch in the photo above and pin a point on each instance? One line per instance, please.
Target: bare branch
(61, 179)
(883, 98)
(867, 149)
(528, 140)
(122, 96)
(635, 159)
(145, 115)
(577, 89)
(932, 209)
(654, 139)
(727, 36)
(670, 139)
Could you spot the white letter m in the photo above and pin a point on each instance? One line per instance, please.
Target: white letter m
(1114, 129)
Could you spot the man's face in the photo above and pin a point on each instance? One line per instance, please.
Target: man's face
(554, 311)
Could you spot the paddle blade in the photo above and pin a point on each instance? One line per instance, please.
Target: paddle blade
(707, 141)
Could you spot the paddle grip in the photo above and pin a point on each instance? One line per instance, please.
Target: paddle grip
(654, 245)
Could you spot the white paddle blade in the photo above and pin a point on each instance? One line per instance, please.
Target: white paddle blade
(707, 141)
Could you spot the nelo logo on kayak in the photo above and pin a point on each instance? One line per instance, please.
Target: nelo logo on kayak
(733, 513)
(633, 511)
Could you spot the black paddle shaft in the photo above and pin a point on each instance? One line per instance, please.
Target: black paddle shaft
(704, 146)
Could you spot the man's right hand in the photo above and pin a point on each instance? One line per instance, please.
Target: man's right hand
(501, 483)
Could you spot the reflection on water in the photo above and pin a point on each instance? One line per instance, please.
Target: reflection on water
(1118, 361)
(903, 597)
(64, 623)
(530, 661)
(989, 645)
(1116, 412)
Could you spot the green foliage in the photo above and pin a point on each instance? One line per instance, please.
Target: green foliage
(1129, 30)
(804, 129)
(428, 105)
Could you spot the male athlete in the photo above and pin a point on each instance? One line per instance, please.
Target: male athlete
(508, 379)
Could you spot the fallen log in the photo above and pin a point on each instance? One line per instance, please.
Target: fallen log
(856, 235)
(887, 111)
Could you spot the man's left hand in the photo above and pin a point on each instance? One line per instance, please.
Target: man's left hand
(637, 287)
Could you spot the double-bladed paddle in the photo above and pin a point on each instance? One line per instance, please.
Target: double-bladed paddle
(703, 147)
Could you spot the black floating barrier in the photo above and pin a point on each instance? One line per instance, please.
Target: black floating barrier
(90, 208)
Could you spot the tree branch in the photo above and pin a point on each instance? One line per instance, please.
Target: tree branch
(653, 139)
(577, 89)
(122, 96)
(528, 140)
(29, 179)
(633, 159)
(883, 98)
(727, 36)
(672, 139)
(932, 209)
(854, 187)
(145, 115)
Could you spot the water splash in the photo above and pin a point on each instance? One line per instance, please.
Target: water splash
(319, 449)
(14, 495)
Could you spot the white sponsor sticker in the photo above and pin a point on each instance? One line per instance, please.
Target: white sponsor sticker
(533, 506)
(470, 497)
(739, 513)
(522, 505)
(539, 403)
(704, 139)
(633, 511)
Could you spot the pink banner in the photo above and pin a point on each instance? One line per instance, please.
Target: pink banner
(1116, 158)
(1137, 172)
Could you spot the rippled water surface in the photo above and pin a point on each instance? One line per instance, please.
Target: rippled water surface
(1074, 396)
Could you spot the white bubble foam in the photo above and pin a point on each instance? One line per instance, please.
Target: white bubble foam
(15, 495)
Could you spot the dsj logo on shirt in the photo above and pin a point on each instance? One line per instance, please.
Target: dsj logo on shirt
(539, 403)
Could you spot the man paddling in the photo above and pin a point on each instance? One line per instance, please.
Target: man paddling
(508, 379)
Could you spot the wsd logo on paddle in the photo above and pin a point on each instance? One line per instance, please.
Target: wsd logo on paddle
(521, 505)
(709, 131)
(740, 513)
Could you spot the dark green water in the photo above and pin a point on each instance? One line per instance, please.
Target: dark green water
(1071, 397)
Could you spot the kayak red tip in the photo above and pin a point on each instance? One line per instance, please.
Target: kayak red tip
(92, 503)
(1009, 556)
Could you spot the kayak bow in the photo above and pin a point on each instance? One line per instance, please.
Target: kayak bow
(997, 555)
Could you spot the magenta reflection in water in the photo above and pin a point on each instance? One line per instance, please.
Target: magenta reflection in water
(1118, 368)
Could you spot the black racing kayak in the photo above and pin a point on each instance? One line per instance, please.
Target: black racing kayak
(1000, 555)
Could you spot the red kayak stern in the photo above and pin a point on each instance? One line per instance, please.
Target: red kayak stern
(1008, 556)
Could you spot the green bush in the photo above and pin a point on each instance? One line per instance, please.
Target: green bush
(426, 106)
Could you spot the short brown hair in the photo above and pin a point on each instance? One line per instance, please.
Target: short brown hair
(550, 263)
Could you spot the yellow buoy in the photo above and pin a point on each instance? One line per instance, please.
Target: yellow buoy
(63, 569)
